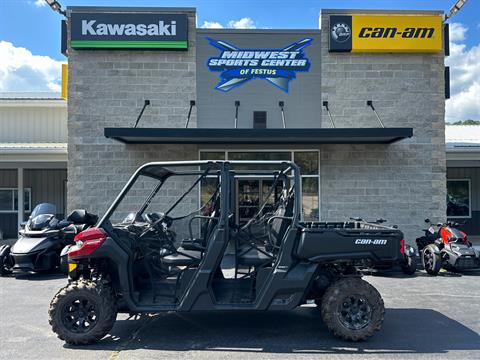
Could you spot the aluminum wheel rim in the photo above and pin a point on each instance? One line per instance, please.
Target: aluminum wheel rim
(80, 315)
(428, 258)
(355, 312)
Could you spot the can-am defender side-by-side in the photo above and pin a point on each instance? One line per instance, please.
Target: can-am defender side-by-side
(43, 240)
(166, 257)
(445, 245)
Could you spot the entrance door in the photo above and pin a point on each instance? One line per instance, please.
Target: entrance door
(250, 196)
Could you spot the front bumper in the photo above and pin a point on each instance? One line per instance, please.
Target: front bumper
(35, 261)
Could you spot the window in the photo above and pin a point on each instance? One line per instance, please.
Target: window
(9, 200)
(458, 198)
(308, 161)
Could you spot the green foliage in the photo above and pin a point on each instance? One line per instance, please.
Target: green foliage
(467, 122)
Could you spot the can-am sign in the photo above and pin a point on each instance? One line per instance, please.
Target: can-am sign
(129, 31)
(386, 33)
(277, 66)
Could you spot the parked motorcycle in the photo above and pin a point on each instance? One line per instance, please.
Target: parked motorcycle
(444, 245)
(44, 241)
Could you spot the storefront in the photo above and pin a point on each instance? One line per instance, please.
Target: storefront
(463, 178)
(33, 157)
(358, 105)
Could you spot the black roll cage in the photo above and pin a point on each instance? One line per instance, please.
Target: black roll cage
(160, 171)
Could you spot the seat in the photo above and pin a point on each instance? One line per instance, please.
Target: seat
(253, 255)
(182, 258)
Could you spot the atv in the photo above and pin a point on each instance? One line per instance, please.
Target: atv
(168, 255)
(444, 245)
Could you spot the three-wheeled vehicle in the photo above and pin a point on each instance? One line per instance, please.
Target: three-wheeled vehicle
(445, 245)
(186, 248)
(43, 241)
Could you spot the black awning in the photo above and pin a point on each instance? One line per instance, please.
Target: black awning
(258, 136)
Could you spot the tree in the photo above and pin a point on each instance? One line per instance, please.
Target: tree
(467, 122)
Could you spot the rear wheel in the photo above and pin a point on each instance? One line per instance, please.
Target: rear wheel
(352, 309)
(83, 312)
(431, 260)
(410, 265)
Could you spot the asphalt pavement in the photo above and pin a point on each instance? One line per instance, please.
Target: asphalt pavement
(427, 318)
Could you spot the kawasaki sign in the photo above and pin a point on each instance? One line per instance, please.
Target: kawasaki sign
(129, 31)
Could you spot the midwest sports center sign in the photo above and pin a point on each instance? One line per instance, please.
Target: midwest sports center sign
(385, 33)
(277, 66)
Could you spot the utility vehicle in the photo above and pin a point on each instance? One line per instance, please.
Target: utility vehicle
(184, 249)
(445, 245)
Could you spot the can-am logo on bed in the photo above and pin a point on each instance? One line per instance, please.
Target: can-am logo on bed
(277, 66)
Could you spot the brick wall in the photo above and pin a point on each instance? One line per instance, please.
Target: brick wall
(107, 88)
(402, 182)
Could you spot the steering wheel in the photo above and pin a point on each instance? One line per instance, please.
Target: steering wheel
(151, 218)
(157, 222)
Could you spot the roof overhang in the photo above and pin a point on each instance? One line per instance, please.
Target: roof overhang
(33, 152)
(258, 136)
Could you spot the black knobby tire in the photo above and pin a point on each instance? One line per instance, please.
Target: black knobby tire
(5, 267)
(63, 267)
(82, 312)
(431, 260)
(353, 299)
(410, 265)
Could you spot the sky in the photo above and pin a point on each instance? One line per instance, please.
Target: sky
(30, 56)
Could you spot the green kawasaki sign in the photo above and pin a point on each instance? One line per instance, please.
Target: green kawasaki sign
(129, 31)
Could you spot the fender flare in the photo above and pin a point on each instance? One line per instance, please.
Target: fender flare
(436, 250)
(65, 250)
(5, 250)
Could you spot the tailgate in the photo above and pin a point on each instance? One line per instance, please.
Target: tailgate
(338, 244)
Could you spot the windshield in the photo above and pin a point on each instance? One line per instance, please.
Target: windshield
(44, 208)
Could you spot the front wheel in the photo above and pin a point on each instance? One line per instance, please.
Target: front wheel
(64, 264)
(352, 309)
(5, 260)
(82, 312)
(431, 260)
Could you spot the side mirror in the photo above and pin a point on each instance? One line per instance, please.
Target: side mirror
(427, 220)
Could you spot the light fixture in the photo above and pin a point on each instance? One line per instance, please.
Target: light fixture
(55, 6)
(455, 8)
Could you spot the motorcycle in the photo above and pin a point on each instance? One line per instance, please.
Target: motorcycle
(444, 245)
(44, 241)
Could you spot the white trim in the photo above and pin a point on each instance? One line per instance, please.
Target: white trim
(288, 150)
(469, 199)
(463, 155)
(33, 103)
(29, 190)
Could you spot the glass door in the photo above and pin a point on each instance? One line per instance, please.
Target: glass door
(251, 194)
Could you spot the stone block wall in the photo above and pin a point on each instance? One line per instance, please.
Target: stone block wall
(402, 182)
(107, 88)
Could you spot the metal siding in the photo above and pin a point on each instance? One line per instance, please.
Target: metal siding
(33, 124)
(47, 186)
(8, 178)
